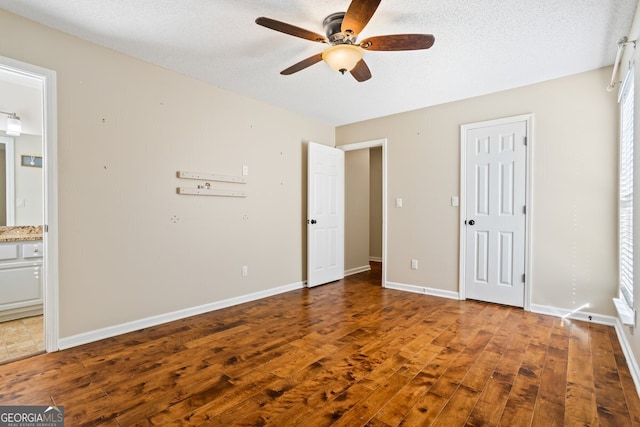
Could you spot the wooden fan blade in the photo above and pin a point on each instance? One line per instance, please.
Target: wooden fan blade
(302, 64)
(399, 42)
(358, 15)
(361, 71)
(292, 30)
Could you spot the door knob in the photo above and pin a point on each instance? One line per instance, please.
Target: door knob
(313, 221)
(471, 222)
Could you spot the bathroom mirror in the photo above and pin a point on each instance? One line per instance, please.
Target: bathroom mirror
(7, 183)
(23, 187)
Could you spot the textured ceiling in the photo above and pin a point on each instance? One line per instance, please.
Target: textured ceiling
(481, 46)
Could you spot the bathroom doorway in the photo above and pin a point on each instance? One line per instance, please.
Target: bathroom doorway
(28, 237)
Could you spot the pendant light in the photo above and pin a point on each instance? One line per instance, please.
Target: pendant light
(14, 125)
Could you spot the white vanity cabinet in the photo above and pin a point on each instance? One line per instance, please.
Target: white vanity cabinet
(20, 279)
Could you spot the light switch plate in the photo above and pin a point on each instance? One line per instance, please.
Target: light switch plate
(455, 201)
(398, 202)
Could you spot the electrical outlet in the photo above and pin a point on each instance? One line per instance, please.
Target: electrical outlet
(245, 170)
(414, 264)
(245, 270)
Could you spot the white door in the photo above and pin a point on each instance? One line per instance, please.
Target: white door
(496, 161)
(325, 210)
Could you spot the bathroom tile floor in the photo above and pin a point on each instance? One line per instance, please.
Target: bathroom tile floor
(21, 337)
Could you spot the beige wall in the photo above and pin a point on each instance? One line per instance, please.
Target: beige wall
(28, 181)
(375, 202)
(356, 248)
(574, 188)
(129, 246)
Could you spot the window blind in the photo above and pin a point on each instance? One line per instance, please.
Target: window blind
(625, 227)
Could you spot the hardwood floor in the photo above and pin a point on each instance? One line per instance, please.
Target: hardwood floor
(346, 354)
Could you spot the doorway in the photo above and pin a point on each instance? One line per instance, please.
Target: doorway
(495, 211)
(35, 210)
(369, 203)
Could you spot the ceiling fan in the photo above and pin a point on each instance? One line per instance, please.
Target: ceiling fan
(342, 29)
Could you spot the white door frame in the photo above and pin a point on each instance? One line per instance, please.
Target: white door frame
(371, 144)
(528, 118)
(50, 151)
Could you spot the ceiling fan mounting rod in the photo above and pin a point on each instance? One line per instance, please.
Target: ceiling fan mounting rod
(333, 29)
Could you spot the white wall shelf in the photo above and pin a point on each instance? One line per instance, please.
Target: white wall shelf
(210, 192)
(212, 177)
(205, 189)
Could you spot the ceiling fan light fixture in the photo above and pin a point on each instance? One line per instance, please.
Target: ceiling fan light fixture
(342, 57)
(342, 30)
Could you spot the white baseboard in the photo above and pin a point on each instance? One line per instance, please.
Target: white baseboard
(111, 331)
(572, 314)
(375, 259)
(627, 350)
(357, 270)
(423, 290)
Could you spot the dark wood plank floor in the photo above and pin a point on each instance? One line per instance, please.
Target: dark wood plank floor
(347, 354)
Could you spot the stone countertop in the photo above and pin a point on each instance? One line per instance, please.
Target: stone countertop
(20, 233)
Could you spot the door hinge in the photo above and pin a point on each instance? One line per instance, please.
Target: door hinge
(524, 276)
(525, 140)
(46, 228)
(524, 209)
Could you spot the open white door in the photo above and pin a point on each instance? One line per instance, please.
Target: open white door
(495, 214)
(325, 210)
